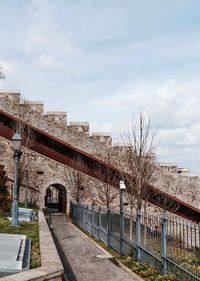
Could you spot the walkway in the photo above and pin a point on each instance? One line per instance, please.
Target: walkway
(82, 259)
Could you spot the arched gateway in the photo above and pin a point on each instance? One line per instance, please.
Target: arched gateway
(56, 198)
(53, 195)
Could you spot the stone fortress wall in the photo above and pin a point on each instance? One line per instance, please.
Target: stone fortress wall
(45, 171)
(55, 123)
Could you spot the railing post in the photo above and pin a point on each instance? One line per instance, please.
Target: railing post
(87, 208)
(138, 233)
(78, 214)
(109, 225)
(86, 217)
(122, 188)
(81, 216)
(164, 242)
(92, 218)
(75, 213)
(72, 212)
(71, 215)
(99, 222)
(121, 231)
(84, 208)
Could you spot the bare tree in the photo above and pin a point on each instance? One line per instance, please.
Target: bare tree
(78, 182)
(4, 194)
(140, 161)
(171, 185)
(193, 190)
(24, 115)
(106, 194)
(2, 75)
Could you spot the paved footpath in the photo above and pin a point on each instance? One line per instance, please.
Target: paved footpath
(82, 259)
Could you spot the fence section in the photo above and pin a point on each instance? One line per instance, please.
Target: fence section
(166, 242)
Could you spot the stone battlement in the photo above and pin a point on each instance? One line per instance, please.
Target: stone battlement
(12, 97)
(57, 113)
(34, 106)
(101, 136)
(77, 134)
(59, 117)
(54, 122)
(80, 127)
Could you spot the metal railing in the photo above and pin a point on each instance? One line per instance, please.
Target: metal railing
(170, 244)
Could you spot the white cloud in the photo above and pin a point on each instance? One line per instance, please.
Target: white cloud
(173, 107)
(48, 62)
(92, 55)
(45, 33)
(102, 127)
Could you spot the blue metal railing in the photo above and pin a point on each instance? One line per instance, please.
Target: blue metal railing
(170, 244)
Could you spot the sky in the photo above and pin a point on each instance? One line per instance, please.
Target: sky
(105, 61)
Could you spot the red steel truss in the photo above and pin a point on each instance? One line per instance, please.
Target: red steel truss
(75, 158)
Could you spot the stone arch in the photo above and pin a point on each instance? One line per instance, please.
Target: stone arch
(62, 194)
(56, 198)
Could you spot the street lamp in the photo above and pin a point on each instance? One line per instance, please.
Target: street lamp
(122, 188)
(16, 141)
(26, 191)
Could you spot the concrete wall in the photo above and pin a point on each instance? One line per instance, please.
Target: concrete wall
(51, 267)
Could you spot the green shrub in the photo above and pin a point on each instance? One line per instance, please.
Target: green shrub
(147, 272)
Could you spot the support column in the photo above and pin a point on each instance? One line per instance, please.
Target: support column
(164, 242)
(121, 222)
(109, 225)
(138, 233)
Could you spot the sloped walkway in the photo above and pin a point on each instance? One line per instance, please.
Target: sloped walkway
(83, 260)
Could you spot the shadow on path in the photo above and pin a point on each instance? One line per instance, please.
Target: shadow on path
(68, 272)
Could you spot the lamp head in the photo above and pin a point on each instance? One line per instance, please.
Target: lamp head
(16, 141)
(122, 185)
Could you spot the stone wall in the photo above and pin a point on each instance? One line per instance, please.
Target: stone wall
(55, 123)
(44, 171)
(184, 187)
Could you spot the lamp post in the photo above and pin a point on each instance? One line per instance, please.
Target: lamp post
(122, 188)
(16, 141)
(26, 191)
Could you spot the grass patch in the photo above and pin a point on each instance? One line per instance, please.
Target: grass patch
(31, 229)
(145, 271)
